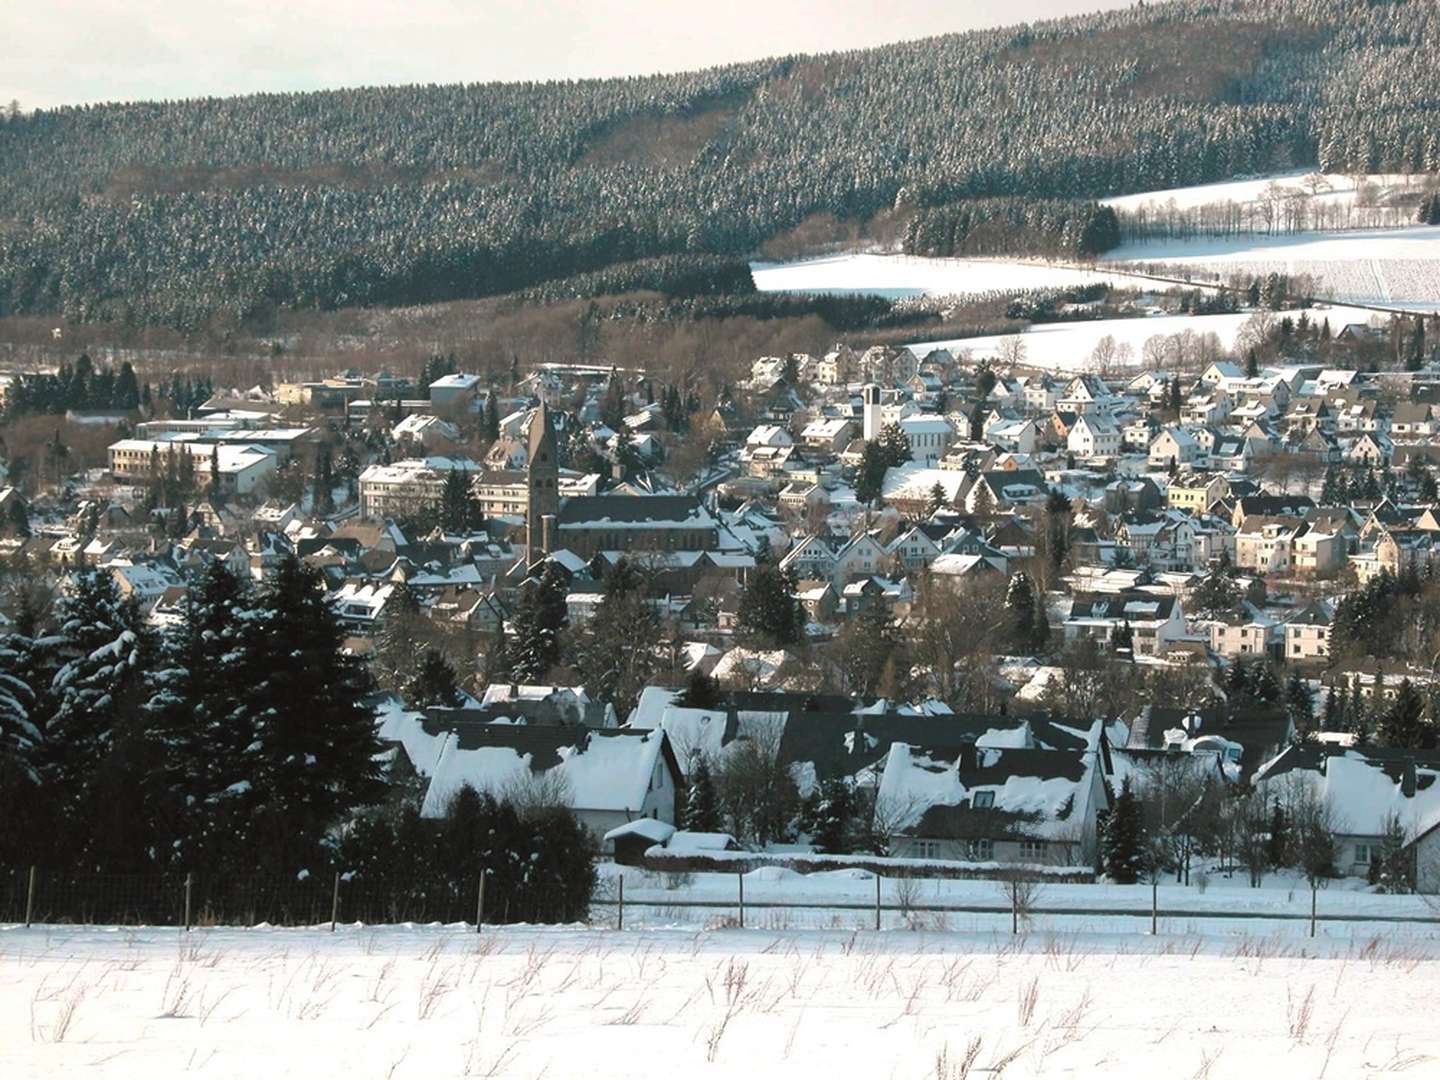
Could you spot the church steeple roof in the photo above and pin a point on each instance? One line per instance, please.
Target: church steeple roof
(541, 430)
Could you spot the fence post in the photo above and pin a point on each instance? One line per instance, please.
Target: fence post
(335, 903)
(189, 890)
(30, 898)
(1154, 905)
(1314, 888)
(1014, 908)
(480, 904)
(741, 879)
(877, 901)
(620, 911)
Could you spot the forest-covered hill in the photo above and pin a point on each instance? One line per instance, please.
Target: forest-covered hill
(194, 212)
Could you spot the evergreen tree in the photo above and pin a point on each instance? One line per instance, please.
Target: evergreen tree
(491, 424)
(1299, 704)
(617, 648)
(324, 500)
(459, 510)
(834, 817)
(1331, 718)
(27, 836)
(433, 685)
(200, 722)
(533, 647)
(870, 480)
(1402, 723)
(937, 499)
(702, 806)
(768, 612)
(1264, 687)
(894, 446)
(1026, 617)
(312, 762)
(94, 743)
(1430, 209)
(700, 692)
(1122, 839)
(126, 393)
(1277, 844)
(404, 630)
(1123, 640)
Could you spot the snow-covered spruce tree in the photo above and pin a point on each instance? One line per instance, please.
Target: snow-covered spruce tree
(199, 717)
(1121, 839)
(401, 640)
(95, 744)
(311, 763)
(702, 806)
(834, 817)
(769, 615)
(20, 745)
(533, 645)
(1027, 620)
(433, 685)
(616, 649)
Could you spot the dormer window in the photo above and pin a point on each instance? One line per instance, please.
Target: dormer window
(983, 800)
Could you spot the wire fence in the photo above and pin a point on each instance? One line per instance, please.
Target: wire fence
(1018, 905)
(35, 896)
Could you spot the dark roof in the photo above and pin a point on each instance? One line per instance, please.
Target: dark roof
(1260, 733)
(1397, 764)
(621, 510)
(843, 743)
(965, 821)
(1270, 505)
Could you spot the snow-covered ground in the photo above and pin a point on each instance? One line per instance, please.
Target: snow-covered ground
(427, 1002)
(1331, 188)
(900, 276)
(845, 899)
(1397, 268)
(1070, 346)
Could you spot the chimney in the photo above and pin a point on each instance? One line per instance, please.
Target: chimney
(547, 533)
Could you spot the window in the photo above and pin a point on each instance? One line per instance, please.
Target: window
(1032, 850)
(983, 800)
(927, 849)
(1362, 854)
(980, 850)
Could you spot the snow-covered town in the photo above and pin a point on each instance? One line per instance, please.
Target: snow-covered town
(620, 540)
(866, 603)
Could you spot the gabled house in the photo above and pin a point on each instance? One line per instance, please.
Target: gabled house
(1367, 791)
(992, 805)
(1173, 446)
(1308, 633)
(1094, 435)
(1155, 621)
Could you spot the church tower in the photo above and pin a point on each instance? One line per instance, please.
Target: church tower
(543, 484)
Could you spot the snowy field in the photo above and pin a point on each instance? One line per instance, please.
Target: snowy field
(1070, 346)
(1397, 268)
(428, 1002)
(899, 276)
(1332, 188)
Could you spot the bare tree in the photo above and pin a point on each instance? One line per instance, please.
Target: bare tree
(1012, 351)
(756, 791)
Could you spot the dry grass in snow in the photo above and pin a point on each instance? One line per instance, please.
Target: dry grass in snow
(438, 1002)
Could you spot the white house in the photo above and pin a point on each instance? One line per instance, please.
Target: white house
(1093, 435)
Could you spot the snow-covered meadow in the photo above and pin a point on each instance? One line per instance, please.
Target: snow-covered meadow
(900, 276)
(401, 1002)
(1398, 268)
(1070, 346)
(1328, 188)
